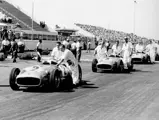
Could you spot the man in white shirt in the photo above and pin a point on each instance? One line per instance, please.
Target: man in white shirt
(157, 47)
(127, 50)
(151, 51)
(78, 49)
(5, 45)
(21, 45)
(39, 50)
(71, 62)
(139, 48)
(101, 51)
(116, 49)
(56, 52)
(73, 48)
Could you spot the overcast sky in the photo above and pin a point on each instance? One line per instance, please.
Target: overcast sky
(113, 14)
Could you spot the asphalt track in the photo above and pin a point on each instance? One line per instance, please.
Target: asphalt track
(104, 96)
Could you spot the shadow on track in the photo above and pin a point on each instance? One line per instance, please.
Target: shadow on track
(4, 85)
(86, 84)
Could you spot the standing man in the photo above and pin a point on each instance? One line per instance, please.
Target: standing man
(5, 45)
(151, 51)
(78, 49)
(88, 46)
(39, 50)
(71, 62)
(127, 50)
(73, 47)
(14, 49)
(139, 48)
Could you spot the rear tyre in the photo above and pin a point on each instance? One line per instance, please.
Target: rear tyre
(55, 79)
(121, 67)
(130, 66)
(12, 78)
(94, 65)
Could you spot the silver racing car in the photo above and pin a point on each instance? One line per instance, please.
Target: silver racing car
(46, 74)
(113, 63)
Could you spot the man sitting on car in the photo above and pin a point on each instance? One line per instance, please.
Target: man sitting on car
(71, 62)
(56, 52)
(101, 51)
(116, 49)
(139, 48)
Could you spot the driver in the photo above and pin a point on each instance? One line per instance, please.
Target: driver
(116, 49)
(127, 51)
(71, 62)
(101, 51)
(56, 52)
(139, 48)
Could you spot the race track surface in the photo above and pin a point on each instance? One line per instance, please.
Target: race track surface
(104, 96)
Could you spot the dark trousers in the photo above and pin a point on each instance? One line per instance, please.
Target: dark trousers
(14, 55)
(74, 52)
(79, 55)
(38, 56)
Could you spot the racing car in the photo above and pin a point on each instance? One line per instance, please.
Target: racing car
(140, 57)
(46, 74)
(113, 63)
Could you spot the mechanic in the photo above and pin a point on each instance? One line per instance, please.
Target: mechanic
(78, 49)
(39, 50)
(73, 47)
(14, 48)
(101, 51)
(116, 49)
(151, 51)
(127, 50)
(5, 45)
(157, 56)
(71, 62)
(56, 52)
(139, 48)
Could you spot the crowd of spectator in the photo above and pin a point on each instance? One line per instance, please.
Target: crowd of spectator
(4, 18)
(110, 35)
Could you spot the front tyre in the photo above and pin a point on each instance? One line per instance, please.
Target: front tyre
(55, 79)
(94, 65)
(12, 78)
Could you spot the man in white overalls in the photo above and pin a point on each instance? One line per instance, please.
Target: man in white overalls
(151, 51)
(101, 51)
(127, 50)
(69, 59)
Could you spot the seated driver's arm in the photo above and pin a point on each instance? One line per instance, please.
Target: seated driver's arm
(95, 52)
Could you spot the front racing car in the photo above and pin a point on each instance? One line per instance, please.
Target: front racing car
(42, 75)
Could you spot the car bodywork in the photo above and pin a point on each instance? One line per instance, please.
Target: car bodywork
(112, 63)
(40, 75)
(140, 58)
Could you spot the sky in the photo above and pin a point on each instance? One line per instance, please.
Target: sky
(112, 14)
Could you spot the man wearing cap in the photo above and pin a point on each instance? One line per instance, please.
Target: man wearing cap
(127, 50)
(56, 53)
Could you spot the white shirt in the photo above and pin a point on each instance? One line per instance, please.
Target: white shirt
(100, 52)
(73, 45)
(78, 45)
(56, 54)
(68, 55)
(39, 45)
(20, 42)
(139, 48)
(151, 48)
(65, 43)
(116, 49)
(127, 48)
(5, 42)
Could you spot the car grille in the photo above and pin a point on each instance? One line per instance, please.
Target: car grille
(137, 60)
(28, 81)
(105, 67)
